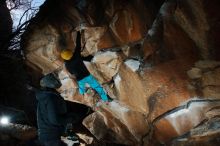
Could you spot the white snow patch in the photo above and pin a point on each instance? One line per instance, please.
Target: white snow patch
(133, 64)
(117, 81)
(116, 106)
(150, 32)
(163, 9)
(191, 115)
(179, 113)
(87, 63)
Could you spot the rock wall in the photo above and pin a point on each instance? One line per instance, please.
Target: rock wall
(158, 60)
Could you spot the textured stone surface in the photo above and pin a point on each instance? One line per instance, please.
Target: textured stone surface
(211, 78)
(130, 89)
(98, 124)
(194, 73)
(107, 63)
(150, 56)
(207, 82)
(203, 135)
(120, 115)
(42, 53)
(212, 91)
(137, 128)
(207, 64)
(92, 37)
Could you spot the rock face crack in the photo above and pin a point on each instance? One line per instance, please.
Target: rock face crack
(186, 106)
(202, 105)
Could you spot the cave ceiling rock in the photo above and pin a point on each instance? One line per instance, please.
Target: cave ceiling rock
(126, 21)
(41, 49)
(92, 38)
(198, 19)
(122, 24)
(193, 21)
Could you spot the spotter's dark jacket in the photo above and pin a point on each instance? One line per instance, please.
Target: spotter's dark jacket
(52, 115)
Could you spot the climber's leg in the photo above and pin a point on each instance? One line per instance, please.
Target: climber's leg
(96, 86)
(81, 85)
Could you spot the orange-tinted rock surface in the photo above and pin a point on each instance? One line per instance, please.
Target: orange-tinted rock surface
(153, 58)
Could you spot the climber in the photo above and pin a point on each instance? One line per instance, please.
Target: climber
(52, 116)
(74, 64)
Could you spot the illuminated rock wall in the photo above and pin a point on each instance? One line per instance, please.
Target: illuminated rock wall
(154, 58)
